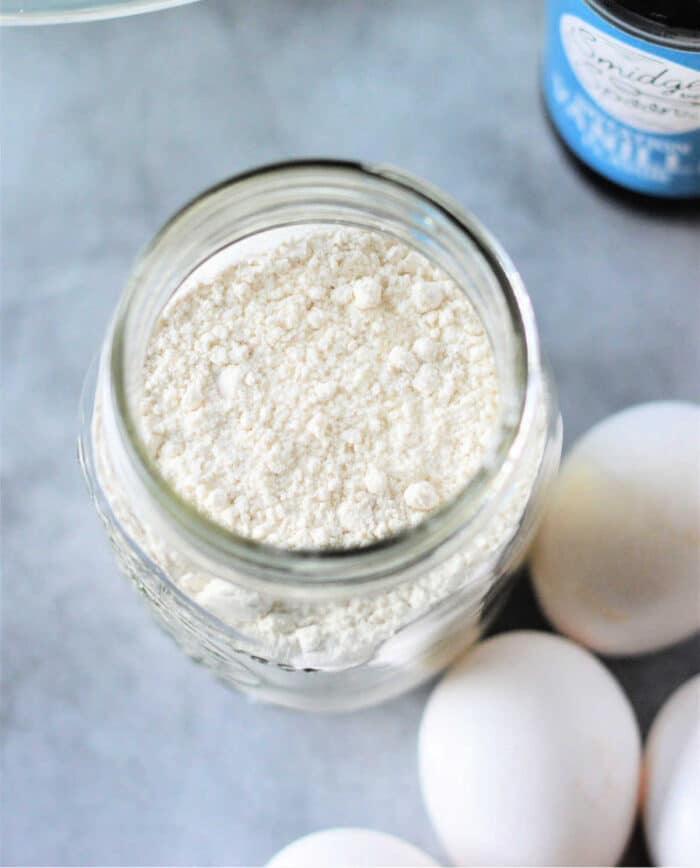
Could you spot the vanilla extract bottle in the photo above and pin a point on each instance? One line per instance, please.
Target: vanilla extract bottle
(621, 82)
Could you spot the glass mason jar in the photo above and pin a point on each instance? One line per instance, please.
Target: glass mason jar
(332, 629)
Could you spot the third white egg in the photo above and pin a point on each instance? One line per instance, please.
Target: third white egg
(672, 779)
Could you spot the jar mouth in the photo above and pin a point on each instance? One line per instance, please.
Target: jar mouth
(271, 197)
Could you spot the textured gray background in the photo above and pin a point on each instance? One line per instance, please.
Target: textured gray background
(115, 748)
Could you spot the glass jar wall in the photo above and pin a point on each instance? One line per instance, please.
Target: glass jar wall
(334, 629)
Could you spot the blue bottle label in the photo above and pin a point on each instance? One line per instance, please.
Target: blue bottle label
(628, 107)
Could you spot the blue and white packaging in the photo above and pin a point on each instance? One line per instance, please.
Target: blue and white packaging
(625, 101)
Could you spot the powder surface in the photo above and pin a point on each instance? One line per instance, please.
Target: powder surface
(325, 393)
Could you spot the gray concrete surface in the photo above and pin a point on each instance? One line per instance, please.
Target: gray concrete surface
(116, 749)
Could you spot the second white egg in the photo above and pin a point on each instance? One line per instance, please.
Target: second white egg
(529, 755)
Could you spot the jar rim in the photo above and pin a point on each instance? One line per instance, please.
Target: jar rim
(339, 566)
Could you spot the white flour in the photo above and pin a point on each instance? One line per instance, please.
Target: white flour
(329, 392)
(324, 394)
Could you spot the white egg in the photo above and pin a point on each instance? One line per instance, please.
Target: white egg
(359, 848)
(616, 563)
(672, 779)
(529, 754)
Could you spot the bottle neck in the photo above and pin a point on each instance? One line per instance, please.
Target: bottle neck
(673, 23)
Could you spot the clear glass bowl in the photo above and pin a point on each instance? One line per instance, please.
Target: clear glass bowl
(65, 11)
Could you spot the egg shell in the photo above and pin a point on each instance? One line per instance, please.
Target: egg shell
(529, 754)
(616, 562)
(359, 848)
(672, 779)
